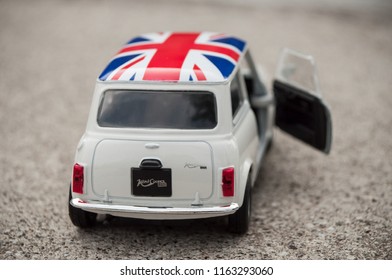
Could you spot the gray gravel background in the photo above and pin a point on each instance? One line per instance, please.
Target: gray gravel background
(306, 205)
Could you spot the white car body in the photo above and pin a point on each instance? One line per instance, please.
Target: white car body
(108, 157)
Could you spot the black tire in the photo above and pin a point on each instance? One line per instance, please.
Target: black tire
(240, 220)
(79, 217)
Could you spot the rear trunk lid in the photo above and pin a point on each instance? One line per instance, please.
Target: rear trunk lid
(128, 169)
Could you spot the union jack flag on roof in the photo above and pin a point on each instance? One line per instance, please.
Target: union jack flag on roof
(176, 56)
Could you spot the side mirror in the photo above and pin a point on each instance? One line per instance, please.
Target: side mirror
(261, 101)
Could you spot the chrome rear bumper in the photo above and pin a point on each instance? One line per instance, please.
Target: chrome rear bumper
(155, 213)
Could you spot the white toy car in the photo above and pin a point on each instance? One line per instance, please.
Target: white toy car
(179, 124)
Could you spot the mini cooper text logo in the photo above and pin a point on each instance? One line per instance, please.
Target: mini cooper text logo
(151, 182)
(191, 165)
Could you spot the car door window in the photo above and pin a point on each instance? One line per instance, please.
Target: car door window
(237, 97)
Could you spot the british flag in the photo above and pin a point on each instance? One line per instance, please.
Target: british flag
(170, 56)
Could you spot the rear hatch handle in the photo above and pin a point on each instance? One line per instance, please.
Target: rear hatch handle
(151, 163)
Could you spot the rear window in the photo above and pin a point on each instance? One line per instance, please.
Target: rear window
(157, 109)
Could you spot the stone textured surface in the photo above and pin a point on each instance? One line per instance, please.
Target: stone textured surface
(306, 205)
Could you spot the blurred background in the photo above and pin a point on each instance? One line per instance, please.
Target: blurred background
(306, 205)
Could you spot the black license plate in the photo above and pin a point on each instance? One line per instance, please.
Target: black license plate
(151, 182)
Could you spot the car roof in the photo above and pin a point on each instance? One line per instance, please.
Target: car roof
(176, 57)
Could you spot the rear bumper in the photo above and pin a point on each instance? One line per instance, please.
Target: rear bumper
(155, 213)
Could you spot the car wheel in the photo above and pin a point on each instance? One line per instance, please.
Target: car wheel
(79, 217)
(239, 221)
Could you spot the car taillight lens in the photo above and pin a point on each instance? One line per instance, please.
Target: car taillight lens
(78, 178)
(228, 181)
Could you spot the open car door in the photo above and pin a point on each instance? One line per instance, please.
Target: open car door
(300, 110)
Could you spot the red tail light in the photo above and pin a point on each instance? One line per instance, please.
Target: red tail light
(78, 178)
(228, 181)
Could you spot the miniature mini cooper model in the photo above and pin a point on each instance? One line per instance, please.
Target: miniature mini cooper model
(179, 125)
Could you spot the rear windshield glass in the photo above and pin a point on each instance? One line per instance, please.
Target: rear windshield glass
(157, 109)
